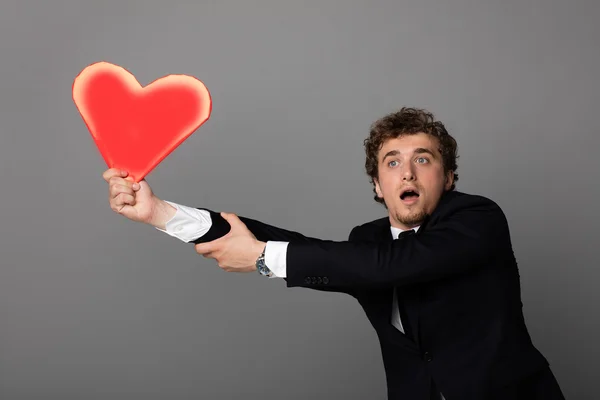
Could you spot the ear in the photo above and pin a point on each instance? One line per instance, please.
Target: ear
(449, 180)
(378, 188)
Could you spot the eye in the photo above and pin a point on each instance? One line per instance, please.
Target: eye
(422, 160)
(393, 161)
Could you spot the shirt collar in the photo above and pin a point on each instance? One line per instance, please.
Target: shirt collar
(397, 231)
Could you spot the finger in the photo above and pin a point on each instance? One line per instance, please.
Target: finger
(128, 181)
(211, 256)
(113, 172)
(116, 180)
(117, 189)
(205, 248)
(134, 185)
(109, 173)
(124, 199)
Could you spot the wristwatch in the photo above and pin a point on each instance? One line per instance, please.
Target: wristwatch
(261, 267)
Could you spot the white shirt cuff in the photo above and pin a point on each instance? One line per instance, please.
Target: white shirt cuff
(188, 223)
(275, 258)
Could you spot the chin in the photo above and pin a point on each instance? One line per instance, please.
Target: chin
(413, 218)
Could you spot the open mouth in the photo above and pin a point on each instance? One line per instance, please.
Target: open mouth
(409, 195)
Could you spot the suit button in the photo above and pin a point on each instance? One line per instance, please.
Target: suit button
(319, 280)
(314, 280)
(427, 356)
(307, 280)
(325, 280)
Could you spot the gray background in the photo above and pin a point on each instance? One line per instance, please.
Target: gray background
(93, 306)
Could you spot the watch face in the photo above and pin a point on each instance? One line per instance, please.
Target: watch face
(261, 267)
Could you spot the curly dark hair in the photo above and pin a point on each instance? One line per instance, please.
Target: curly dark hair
(408, 121)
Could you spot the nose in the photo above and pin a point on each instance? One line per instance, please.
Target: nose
(408, 173)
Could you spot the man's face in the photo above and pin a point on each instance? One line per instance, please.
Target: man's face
(411, 178)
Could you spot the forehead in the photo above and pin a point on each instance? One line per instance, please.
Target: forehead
(407, 143)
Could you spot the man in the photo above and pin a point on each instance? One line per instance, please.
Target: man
(444, 298)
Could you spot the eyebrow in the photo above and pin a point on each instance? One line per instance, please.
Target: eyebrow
(418, 150)
(421, 150)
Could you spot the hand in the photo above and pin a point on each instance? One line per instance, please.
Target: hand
(235, 252)
(136, 201)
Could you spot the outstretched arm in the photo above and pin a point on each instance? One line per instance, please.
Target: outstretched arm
(469, 236)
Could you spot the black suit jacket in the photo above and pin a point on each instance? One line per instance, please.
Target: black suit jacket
(458, 280)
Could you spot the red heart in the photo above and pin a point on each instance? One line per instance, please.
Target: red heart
(136, 127)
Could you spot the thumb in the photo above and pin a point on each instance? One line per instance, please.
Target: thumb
(233, 220)
(143, 185)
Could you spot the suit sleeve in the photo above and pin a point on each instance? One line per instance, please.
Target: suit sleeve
(467, 237)
(263, 232)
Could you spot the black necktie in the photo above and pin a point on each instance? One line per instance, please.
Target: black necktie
(400, 300)
(404, 234)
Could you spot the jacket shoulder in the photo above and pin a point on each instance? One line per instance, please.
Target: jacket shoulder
(470, 209)
(454, 200)
(369, 230)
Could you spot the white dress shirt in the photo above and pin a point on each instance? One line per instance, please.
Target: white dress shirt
(189, 224)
